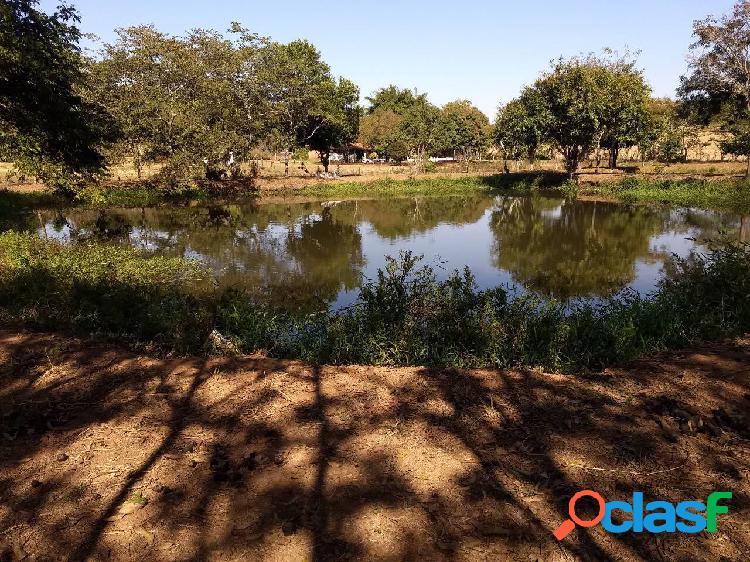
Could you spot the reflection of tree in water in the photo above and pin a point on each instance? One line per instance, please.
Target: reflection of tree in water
(303, 254)
(400, 217)
(292, 254)
(571, 248)
(327, 252)
(708, 225)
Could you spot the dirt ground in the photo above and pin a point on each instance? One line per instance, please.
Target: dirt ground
(110, 455)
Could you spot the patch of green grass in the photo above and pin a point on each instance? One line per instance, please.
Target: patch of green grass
(137, 498)
(140, 195)
(720, 194)
(15, 203)
(517, 183)
(103, 289)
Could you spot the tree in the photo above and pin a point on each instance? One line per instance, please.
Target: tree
(286, 86)
(179, 100)
(465, 129)
(573, 100)
(382, 130)
(394, 99)
(335, 120)
(660, 114)
(718, 85)
(519, 126)
(625, 114)
(421, 130)
(402, 123)
(576, 107)
(46, 127)
(300, 100)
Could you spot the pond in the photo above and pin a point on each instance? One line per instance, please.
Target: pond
(318, 253)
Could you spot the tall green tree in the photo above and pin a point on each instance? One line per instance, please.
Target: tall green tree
(179, 100)
(299, 100)
(625, 115)
(718, 84)
(382, 130)
(393, 98)
(465, 129)
(47, 128)
(578, 106)
(422, 131)
(335, 120)
(573, 100)
(519, 126)
(400, 123)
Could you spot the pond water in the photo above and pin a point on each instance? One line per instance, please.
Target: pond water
(318, 253)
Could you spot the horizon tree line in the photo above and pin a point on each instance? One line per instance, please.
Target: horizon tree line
(202, 103)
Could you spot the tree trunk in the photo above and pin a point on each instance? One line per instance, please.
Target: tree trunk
(325, 157)
(614, 153)
(747, 170)
(571, 162)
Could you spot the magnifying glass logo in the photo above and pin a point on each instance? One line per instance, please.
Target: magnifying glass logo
(569, 524)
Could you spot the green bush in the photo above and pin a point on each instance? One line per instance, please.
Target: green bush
(103, 289)
(407, 317)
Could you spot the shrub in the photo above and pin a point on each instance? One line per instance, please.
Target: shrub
(103, 289)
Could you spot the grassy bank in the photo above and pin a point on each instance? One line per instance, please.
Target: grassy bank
(726, 194)
(405, 317)
(519, 183)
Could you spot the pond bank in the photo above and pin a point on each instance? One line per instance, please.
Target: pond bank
(111, 454)
(714, 192)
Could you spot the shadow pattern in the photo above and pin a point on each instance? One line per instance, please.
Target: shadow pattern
(110, 455)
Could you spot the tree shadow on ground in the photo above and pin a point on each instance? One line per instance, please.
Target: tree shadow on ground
(107, 455)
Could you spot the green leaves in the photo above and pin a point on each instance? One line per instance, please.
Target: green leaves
(464, 129)
(200, 101)
(48, 128)
(577, 107)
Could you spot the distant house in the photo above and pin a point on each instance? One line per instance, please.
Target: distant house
(352, 152)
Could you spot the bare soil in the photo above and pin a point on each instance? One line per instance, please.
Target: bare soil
(110, 455)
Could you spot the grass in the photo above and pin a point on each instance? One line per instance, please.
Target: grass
(102, 289)
(141, 194)
(726, 194)
(404, 317)
(13, 204)
(146, 194)
(520, 183)
(719, 194)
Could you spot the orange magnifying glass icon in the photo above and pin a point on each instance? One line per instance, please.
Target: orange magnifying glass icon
(569, 524)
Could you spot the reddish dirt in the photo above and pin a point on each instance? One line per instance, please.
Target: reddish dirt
(108, 455)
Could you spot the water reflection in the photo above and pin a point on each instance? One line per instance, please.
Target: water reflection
(571, 248)
(317, 253)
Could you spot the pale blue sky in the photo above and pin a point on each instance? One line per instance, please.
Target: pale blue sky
(484, 51)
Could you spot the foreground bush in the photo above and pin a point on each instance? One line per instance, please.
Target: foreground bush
(103, 289)
(404, 317)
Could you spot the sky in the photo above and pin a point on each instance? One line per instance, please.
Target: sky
(481, 50)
